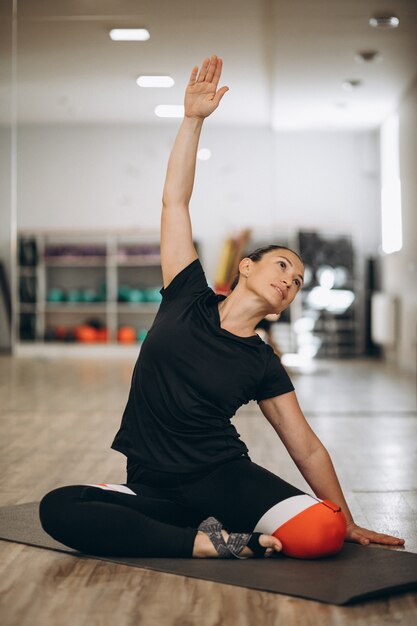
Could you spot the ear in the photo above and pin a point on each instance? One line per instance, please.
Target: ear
(244, 266)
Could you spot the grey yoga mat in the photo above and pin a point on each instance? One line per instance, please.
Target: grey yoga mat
(357, 573)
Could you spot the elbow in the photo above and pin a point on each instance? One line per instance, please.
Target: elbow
(311, 453)
(169, 204)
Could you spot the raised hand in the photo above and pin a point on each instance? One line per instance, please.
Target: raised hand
(201, 95)
(356, 534)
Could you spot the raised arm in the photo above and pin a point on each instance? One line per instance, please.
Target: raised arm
(201, 99)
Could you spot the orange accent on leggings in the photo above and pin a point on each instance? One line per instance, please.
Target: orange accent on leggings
(317, 531)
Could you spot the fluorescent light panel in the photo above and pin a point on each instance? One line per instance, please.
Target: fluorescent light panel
(129, 34)
(155, 81)
(169, 110)
(384, 21)
(391, 213)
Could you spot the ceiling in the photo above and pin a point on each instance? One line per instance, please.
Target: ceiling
(284, 60)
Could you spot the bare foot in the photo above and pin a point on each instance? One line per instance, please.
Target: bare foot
(203, 547)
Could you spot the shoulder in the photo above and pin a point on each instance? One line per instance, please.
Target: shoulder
(190, 280)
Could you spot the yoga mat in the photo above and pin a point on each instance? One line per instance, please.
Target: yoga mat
(355, 574)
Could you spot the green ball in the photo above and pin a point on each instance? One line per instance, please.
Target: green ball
(153, 295)
(142, 334)
(89, 295)
(136, 295)
(102, 293)
(123, 293)
(55, 295)
(74, 295)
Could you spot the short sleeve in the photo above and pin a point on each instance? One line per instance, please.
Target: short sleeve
(275, 381)
(190, 281)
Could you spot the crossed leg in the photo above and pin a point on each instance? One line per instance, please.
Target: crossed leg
(135, 520)
(114, 520)
(249, 498)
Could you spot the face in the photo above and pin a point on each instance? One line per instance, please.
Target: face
(277, 277)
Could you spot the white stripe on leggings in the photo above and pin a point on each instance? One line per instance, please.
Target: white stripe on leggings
(280, 513)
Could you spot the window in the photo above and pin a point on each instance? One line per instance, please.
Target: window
(392, 237)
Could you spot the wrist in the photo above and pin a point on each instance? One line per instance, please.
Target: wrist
(193, 120)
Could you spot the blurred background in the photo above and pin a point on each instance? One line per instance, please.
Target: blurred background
(313, 147)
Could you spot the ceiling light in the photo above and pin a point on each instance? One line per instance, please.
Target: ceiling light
(350, 85)
(204, 154)
(155, 81)
(169, 110)
(384, 21)
(129, 34)
(368, 56)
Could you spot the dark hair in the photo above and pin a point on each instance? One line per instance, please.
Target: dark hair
(257, 255)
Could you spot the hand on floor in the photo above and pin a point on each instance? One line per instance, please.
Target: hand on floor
(364, 536)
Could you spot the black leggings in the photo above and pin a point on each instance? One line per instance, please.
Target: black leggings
(156, 514)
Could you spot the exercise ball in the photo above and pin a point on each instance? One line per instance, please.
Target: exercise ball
(126, 334)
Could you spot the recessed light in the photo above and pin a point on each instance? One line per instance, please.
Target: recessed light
(384, 21)
(129, 34)
(204, 154)
(155, 81)
(368, 56)
(169, 110)
(350, 85)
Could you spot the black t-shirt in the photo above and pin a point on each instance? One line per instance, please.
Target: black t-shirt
(190, 378)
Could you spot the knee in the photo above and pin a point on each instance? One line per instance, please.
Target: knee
(54, 509)
(318, 531)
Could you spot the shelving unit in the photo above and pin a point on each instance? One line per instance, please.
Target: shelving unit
(338, 334)
(66, 280)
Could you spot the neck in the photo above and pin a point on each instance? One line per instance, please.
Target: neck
(240, 315)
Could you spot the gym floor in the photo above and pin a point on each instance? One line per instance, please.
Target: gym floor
(58, 418)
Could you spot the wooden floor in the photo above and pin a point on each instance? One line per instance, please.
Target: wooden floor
(58, 419)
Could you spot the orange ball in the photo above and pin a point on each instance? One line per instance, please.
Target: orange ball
(60, 332)
(318, 531)
(85, 334)
(126, 334)
(102, 334)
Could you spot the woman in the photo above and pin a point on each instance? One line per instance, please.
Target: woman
(191, 489)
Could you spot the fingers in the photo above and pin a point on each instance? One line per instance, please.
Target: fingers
(365, 538)
(383, 538)
(387, 539)
(193, 75)
(203, 71)
(271, 543)
(217, 70)
(219, 95)
(211, 70)
(362, 540)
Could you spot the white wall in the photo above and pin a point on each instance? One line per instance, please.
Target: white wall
(112, 177)
(400, 268)
(329, 181)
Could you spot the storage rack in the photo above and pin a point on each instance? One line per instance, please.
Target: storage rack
(116, 266)
(104, 264)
